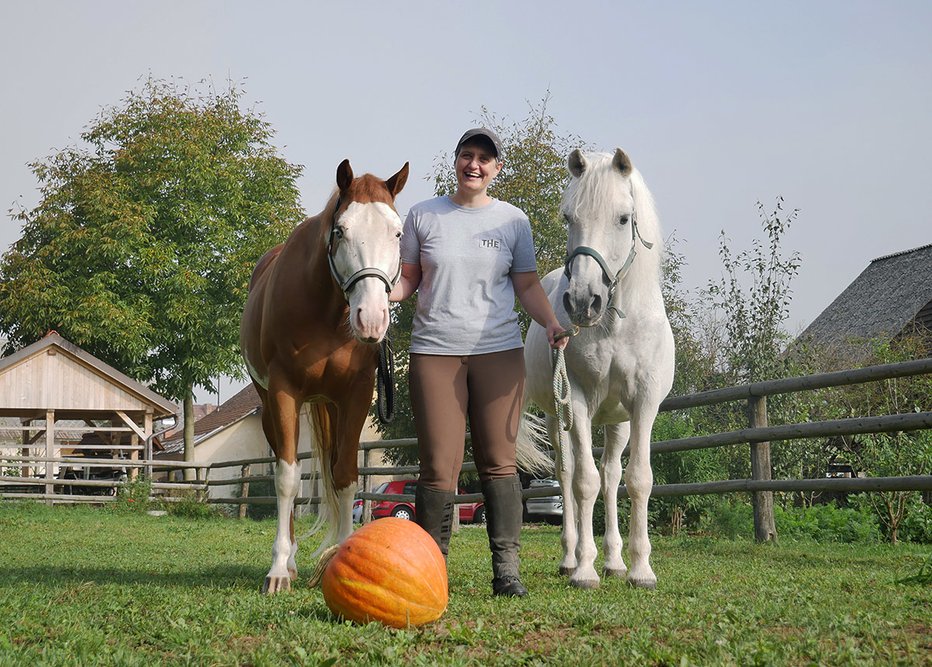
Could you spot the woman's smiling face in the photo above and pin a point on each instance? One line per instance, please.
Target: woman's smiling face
(476, 166)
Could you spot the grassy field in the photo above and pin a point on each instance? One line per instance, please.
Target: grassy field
(89, 586)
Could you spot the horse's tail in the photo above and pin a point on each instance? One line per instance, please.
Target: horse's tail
(533, 445)
(328, 510)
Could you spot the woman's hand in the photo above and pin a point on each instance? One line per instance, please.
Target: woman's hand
(407, 284)
(558, 337)
(532, 296)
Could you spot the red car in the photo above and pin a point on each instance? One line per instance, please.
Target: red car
(404, 509)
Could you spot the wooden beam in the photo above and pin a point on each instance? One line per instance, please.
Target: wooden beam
(129, 422)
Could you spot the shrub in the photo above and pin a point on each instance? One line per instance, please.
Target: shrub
(729, 519)
(827, 523)
(134, 496)
(191, 506)
(917, 525)
(259, 489)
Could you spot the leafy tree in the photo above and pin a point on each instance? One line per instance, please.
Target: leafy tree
(754, 297)
(142, 245)
(754, 315)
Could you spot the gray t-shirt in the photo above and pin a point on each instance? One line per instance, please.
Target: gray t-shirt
(466, 300)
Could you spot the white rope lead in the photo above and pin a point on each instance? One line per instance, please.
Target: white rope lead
(562, 396)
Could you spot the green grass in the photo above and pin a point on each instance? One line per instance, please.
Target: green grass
(89, 586)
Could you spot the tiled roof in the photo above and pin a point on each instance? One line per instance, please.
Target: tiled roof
(239, 406)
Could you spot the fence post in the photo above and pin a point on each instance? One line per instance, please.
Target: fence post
(764, 527)
(49, 454)
(244, 489)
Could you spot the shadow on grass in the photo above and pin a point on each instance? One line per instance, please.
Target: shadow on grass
(213, 577)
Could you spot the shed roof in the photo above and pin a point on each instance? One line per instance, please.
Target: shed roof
(33, 378)
(882, 302)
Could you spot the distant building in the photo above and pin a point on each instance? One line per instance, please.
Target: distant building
(233, 432)
(892, 297)
(57, 399)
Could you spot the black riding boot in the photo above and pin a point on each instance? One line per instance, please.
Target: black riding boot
(503, 507)
(433, 510)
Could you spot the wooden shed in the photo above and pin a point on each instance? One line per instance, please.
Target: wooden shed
(54, 395)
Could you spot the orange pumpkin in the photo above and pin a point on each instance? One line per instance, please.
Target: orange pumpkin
(389, 571)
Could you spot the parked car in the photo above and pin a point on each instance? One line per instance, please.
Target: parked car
(548, 508)
(404, 509)
(357, 510)
(472, 512)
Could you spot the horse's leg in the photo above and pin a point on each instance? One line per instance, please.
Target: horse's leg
(639, 478)
(349, 419)
(616, 439)
(585, 491)
(280, 422)
(563, 464)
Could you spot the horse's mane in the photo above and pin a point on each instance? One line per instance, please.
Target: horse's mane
(597, 187)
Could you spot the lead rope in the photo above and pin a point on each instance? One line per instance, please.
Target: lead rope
(385, 382)
(562, 398)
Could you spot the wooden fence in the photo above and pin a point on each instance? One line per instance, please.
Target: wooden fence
(758, 434)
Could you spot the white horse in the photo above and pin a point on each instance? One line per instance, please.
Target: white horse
(619, 366)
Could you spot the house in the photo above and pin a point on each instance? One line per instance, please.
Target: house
(233, 432)
(57, 399)
(892, 297)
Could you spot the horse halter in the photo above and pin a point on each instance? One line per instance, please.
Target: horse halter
(348, 284)
(611, 281)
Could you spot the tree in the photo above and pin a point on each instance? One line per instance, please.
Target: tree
(532, 179)
(141, 247)
(754, 315)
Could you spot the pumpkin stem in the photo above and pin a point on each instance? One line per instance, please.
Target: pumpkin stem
(322, 564)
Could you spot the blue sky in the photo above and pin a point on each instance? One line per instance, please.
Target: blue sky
(719, 104)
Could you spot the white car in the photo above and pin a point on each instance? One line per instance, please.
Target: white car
(548, 508)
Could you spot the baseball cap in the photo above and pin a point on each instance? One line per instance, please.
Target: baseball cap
(481, 132)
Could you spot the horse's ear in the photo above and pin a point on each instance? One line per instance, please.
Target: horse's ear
(576, 163)
(344, 175)
(622, 162)
(397, 182)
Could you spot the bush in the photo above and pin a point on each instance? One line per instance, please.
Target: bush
(827, 523)
(257, 490)
(190, 506)
(729, 520)
(917, 525)
(134, 496)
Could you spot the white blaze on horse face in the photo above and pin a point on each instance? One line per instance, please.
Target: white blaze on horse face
(599, 210)
(371, 239)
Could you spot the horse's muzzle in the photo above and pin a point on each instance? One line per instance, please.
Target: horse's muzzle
(583, 310)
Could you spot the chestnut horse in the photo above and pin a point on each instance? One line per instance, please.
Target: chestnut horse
(316, 310)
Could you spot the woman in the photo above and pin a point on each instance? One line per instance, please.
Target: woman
(468, 256)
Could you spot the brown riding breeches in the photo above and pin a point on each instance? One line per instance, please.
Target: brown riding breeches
(445, 390)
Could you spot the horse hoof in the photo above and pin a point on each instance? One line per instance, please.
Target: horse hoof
(274, 585)
(292, 574)
(585, 584)
(615, 572)
(649, 584)
(567, 571)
